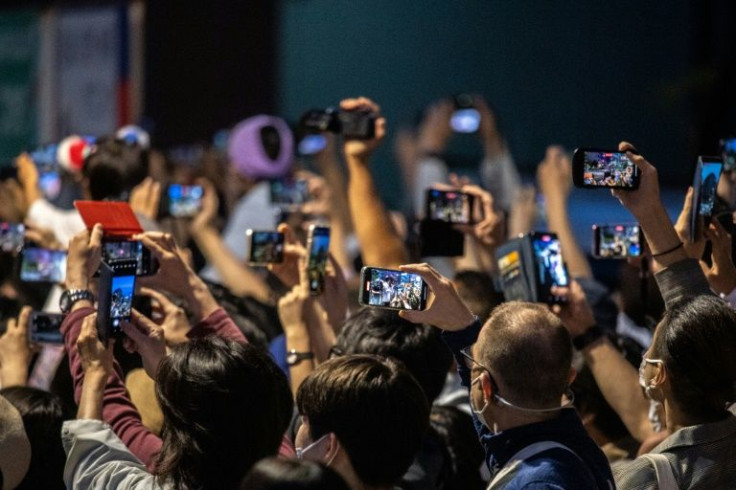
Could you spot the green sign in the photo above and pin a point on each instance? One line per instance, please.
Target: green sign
(18, 52)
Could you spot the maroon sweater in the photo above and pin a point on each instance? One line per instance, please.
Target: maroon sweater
(118, 410)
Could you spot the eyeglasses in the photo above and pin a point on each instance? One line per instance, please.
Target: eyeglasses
(470, 362)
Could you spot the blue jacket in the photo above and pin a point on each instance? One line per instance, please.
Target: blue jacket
(554, 468)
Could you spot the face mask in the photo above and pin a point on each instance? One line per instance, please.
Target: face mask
(479, 412)
(300, 452)
(642, 377)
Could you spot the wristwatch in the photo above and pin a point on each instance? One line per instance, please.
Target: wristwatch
(293, 357)
(71, 296)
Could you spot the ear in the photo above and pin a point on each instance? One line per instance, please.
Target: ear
(333, 447)
(486, 386)
(571, 376)
(661, 376)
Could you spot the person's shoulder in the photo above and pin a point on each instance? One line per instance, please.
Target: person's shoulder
(637, 474)
(554, 468)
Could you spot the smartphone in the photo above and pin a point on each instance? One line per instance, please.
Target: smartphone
(551, 270)
(449, 206)
(116, 289)
(311, 144)
(288, 192)
(264, 247)
(11, 237)
(185, 201)
(512, 276)
(619, 241)
(392, 289)
(728, 152)
(45, 328)
(49, 176)
(318, 245)
(465, 118)
(705, 187)
(113, 251)
(602, 168)
(42, 265)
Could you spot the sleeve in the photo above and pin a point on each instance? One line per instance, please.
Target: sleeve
(64, 224)
(118, 409)
(457, 341)
(680, 280)
(97, 458)
(638, 474)
(501, 177)
(218, 323)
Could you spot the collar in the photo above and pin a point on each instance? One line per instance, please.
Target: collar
(699, 434)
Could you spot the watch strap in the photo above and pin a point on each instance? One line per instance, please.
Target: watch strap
(583, 340)
(293, 357)
(71, 296)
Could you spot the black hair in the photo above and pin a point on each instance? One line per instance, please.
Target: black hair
(43, 414)
(114, 167)
(226, 405)
(463, 450)
(696, 340)
(478, 292)
(375, 408)
(292, 474)
(385, 333)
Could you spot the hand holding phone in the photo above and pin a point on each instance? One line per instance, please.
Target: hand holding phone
(593, 168)
(392, 289)
(705, 187)
(116, 290)
(450, 206)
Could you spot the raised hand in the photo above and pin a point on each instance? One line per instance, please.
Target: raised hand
(148, 341)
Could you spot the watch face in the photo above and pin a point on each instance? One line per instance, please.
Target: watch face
(64, 302)
(291, 358)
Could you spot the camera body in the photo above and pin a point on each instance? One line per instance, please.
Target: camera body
(350, 124)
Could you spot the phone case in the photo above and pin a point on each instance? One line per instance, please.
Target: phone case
(117, 218)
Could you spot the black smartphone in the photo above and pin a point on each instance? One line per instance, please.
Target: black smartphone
(705, 188)
(465, 118)
(42, 265)
(45, 328)
(318, 246)
(184, 201)
(116, 289)
(289, 192)
(392, 289)
(449, 206)
(49, 175)
(11, 237)
(728, 152)
(113, 251)
(618, 241)
(551, 270)
(593, 168)
(264, 247)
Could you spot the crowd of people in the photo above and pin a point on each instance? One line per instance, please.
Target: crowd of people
(230, 375)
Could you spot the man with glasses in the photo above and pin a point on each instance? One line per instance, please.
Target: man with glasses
(518, 368)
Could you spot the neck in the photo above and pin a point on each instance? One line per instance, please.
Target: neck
(509, 418)
(677, 419)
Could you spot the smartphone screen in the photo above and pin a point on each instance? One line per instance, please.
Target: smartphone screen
(319, 246)
(266, 247)
(514, 287)
(42, 265)
(728, 150)
(392, 289)
(465, 120)
(288, 192)
(616, 241)
(595, 168)
(185, 201)
(710, 173)
(49, 178)
(449, 206)
(11, 236)
(552, 271)
(121, 300)
(130, 250)
(46, 328)
(311, 144)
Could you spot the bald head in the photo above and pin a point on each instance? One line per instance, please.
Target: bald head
(528, 351)
(15, 450)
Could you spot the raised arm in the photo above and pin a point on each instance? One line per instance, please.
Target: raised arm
(380, 244)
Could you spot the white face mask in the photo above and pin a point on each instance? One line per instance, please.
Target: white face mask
(300, 452)
(642, 377)
(479, 412)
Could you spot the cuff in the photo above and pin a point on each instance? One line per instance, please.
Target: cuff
(460, 339)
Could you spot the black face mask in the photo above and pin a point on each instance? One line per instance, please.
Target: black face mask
(271, 142)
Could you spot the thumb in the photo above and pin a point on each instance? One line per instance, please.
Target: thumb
(413, 316)
(134, 333)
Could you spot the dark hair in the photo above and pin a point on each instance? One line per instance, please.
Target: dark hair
(530, 350)
(114, 167)
(460, 440)
(43, 414)
(385, 333)
(478, 292)
(697, 340)
(292, 474)
(226, 405)
(375, 408)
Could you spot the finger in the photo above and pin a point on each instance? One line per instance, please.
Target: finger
(413, 316)
(289, 235)
(135, 335)
(626, 146)
(426, 272)
(152, 244)
(129, 344)
(145, 324)
(23, 318)
(89, 326)
(95, 239)
(12, 323)
(166, 304)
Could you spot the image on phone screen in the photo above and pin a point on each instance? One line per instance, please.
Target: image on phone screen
(449, 206)
(552, 270)
(608, 169)
(185, 200)
(46, 328)
(121, 299)
(710, 173)
(288, 192)
(728, 151)
(311, 144)
(266, 247)
(465, 120)
(320, 246)
(49, 178)
(617, 241)
(11, 236)
(42, 265)
(395, 289)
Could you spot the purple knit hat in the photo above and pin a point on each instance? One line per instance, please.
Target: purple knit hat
(246, 153)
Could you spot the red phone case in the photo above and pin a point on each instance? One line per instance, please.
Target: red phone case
(117, 218)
